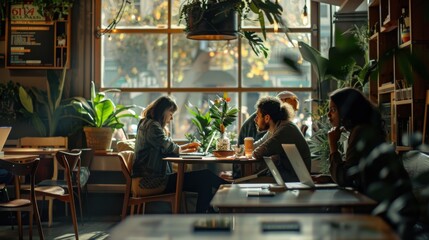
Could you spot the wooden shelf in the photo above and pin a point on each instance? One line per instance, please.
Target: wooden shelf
(405, 109)
(405, 44)
(404, 102)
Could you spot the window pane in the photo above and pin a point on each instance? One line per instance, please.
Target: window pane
(273, 72)
(292, 14)
(203, 63)
(134, 60)
(137, 14)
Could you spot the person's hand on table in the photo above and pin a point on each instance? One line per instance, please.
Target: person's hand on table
(322, 178)
(189, 147)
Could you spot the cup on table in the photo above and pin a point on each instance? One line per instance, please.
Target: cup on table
(248, 146)
(238, 150)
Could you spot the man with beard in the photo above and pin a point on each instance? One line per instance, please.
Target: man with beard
(274, 117)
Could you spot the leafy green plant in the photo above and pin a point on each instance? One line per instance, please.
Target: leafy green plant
(318, 142)
(53, 8)
(45, 108)
(272, 11)
(217, 118)
(342, 65)
(9, 101)
(222, 114)
(100, 111)
(202, 122)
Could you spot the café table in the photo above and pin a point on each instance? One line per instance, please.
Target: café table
(41, 152)
(234, 198)
(181, 163)
(254, 227)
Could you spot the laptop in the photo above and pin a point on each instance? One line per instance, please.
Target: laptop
(4, 133)
(199, 154)
(298, 165)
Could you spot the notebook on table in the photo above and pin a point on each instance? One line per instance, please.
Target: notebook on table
(199, 154)
(4, 134)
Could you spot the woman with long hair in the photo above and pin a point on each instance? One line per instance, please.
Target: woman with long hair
(153, 143)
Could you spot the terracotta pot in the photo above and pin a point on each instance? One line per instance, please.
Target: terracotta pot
(99, 139)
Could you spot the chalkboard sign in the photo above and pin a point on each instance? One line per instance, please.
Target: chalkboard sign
(30, 44)
(33, 42)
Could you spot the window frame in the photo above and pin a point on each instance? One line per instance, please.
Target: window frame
(169, 89)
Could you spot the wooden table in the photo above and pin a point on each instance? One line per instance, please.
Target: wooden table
(37, 151)
(250, 227)
(233, 198)
(181, 162)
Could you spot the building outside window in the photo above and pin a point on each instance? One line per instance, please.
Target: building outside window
(148, 55)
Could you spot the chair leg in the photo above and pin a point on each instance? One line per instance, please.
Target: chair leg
(74, 217)
(36, 215)
(80, 202)
(19, 221)
(50, 211)
(30, 225)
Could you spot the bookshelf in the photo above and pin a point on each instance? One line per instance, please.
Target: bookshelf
(397, 28)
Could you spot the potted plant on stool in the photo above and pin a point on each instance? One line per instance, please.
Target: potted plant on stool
(102, 116)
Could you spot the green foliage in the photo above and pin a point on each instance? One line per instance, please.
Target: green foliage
(222, 114)
(202, 122)
(51, 8)
(270, 10)
(101, 111)
(216, 119)
(318, 143)
(342, 65)
(45, 108)
(9, 101)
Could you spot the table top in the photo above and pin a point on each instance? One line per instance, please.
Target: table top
(254, 226)
(18, 157)
(190, 160)
(234, 197)
(38, 151)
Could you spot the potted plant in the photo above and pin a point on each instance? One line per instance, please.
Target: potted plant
(101, 116)
(211, 16)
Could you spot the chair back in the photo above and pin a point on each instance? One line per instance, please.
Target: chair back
(37, 142)
(126, 160)
(21, 169)
(68, 160)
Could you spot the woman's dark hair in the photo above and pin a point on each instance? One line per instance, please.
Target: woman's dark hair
(156, 109)
(355, 109)
(277, 110)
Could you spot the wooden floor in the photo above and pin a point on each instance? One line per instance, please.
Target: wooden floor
(95, 228)
(103, 213)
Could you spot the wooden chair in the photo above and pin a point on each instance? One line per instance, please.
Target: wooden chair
(134, 195)
(45, 142)
(76, 175)
(20, 204)
(68, 161)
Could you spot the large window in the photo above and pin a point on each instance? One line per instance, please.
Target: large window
(148, 55)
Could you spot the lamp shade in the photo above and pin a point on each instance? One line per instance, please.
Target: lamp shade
(212, 24)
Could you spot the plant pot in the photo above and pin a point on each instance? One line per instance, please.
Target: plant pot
(223, 143)
(215, 23)
(99, 139)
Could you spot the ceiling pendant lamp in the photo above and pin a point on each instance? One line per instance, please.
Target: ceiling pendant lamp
(215, 23)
